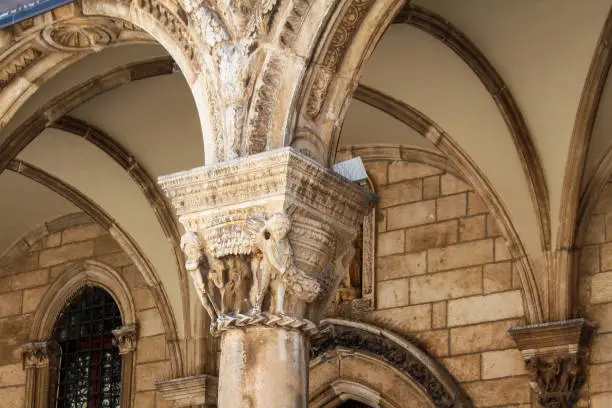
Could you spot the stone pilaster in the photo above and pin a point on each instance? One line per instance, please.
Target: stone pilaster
(555, 356)
(41, 363)
(267, 241)
(126, 338)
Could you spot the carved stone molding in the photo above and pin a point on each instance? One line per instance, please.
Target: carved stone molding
(125, 339)
(190, 391)
(554, 353)
(405, 357)
(81, 34)
(264, 237)
(40, 354)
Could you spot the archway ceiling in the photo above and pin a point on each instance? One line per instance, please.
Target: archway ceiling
(155, 119)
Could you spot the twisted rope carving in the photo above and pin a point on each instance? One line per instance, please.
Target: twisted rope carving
(229, 322)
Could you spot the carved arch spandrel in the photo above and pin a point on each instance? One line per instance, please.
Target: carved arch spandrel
(126, 243)
(465, 167)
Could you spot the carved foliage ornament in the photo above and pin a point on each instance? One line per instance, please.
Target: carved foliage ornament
(125, 339)
(265, 286)
(40, 354)
(557, 381)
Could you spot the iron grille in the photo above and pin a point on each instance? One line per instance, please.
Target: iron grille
(90, 369)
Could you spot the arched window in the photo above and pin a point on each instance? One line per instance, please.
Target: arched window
(90, 365)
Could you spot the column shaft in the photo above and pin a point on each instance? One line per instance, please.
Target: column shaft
(263, 367)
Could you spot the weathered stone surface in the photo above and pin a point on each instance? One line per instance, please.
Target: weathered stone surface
(30, 279)
(600, 378)
(404, 320)
(497, 277)
(502, 363)
(147, 374)
(106, 244)
(399, 266)
(378, 172)
(475, 204)
(151, 349)
(32, 297)
(452, 184)
(400, 193)
(477, 309)
(143, 299)
(409, 215)
(589, 260)
(501, 250)
(464, 368)
(65, 253)
(601, 349)
(482, 337)
(438, 319)
(472, 228)
(446, 285)
(435, 342)
(81, 233)
(10, 304)
(13, 397)
(601, 288)
(150, 323)
(451, 207)
(431, 187)
(390, 243)
(499, 392)
(11, 375)
(454, 256)
(404, 170)
(393, 293)
(431, 236)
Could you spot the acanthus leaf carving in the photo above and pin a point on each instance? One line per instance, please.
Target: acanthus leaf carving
(125, 339)
(557, 381)
(40, 354)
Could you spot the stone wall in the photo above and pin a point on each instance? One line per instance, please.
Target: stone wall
(32, 265)
(595, 299)
(445, 278)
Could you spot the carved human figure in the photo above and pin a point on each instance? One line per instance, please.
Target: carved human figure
(277, 264)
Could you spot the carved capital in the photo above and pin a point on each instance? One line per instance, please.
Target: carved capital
(125, 339)
(41, 354)
(266, 237)
(554, 354)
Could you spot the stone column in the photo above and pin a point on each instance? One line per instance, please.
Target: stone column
(125, 339)
(268, 237)
(555, 355)
(41, 363)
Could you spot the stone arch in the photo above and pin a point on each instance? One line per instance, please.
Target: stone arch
(68, 283)
(352, 360)
(36, 57)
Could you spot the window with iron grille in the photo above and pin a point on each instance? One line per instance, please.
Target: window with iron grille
(90, 368)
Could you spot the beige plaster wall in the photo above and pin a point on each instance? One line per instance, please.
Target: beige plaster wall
(25, 280)
(595, 300)
(445, 278)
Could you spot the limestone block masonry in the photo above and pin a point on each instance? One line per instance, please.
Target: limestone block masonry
(268, 238)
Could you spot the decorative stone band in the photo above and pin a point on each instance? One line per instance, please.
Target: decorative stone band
(40, 354)
(554, 353)
(229, 322)
(125, 339)
(200, 390)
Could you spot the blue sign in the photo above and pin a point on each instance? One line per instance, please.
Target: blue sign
(14, 11)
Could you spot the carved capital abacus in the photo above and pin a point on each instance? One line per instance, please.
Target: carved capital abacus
(125, 339)
(265, 237)
(555, 356)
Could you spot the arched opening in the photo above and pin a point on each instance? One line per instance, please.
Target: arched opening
(90, 367)
(354, 404)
